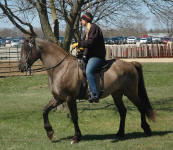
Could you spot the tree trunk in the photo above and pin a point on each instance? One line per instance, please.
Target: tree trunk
(77, 30)
(70, 22)
(55, 19)
(46, 28)
(56, 29)
(68, 37)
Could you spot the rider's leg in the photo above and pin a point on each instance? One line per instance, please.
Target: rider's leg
(93, 64)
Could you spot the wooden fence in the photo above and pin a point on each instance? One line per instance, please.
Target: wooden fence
(9, 58)
(139, 51)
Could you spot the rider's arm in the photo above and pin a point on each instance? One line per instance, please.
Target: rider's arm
(92, 38)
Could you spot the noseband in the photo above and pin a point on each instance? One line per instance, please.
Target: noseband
(30, 44)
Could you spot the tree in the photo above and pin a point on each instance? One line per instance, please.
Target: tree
(15, 20)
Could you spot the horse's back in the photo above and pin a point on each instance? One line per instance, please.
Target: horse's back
(121, 67)
(121, 76)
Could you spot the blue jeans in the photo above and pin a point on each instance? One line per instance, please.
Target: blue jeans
(93, 64)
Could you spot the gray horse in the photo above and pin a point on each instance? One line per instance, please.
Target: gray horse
(65, 82)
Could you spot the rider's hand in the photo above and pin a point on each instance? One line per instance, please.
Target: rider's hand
(74, 45)
(80, 49)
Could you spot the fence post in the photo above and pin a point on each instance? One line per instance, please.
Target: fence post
(9, 60)
(117, 50)
(127, 52)
(157, 48)
(132, 52)
(164, 51)
(147, 51)
(137, 53)
(168, 47)
(152, 51)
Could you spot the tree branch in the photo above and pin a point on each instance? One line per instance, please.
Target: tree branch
(12, 18)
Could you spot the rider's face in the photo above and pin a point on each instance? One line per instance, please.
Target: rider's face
(83, 22)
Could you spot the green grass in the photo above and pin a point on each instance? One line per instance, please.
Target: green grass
(21, 125)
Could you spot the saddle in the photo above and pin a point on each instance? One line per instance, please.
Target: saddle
(99, 77)
(107, 64)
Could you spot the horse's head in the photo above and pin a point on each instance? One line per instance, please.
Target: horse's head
(28, 54)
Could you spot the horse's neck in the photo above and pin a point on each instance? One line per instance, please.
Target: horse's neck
(51, 54)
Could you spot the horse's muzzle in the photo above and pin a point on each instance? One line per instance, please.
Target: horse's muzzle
(22, 67)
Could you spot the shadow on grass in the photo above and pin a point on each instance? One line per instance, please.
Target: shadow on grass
(114, 138)
(136, 135)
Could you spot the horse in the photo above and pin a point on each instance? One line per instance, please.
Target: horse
(65, 80)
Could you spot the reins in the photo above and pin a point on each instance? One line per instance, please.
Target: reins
(49, 68)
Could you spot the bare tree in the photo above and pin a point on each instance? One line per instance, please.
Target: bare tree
(163, 10)
(160, 8)
(12, 15)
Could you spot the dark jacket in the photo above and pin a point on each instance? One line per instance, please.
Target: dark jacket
(95, 44)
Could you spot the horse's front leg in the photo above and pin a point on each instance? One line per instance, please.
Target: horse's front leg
(74, 114)
(47, 126)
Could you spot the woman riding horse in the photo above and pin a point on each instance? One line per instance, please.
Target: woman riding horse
(94, 53)
(66, 79)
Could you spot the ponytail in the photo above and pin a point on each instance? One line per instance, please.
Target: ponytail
(88, 27)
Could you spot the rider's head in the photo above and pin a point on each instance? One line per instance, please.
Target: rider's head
(86, 18)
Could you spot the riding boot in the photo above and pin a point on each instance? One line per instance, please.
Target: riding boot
(93, 99)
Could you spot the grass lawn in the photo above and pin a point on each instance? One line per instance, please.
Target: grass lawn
(21, 125)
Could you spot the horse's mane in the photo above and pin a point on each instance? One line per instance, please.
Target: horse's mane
(53, 44)
(44, 39)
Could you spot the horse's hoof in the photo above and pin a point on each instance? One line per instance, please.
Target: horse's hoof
(120, 135)
(50, 134)
(73, 142)
(75, 139)
(148, 132)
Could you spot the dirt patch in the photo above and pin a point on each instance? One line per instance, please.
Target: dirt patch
(150, 60)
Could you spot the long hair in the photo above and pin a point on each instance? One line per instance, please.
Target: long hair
(88, 27)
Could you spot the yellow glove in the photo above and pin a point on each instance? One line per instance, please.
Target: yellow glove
(74, 45)
(80, 49)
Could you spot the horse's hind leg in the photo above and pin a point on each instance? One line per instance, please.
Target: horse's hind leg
(122, 111)
(52, 104)
(74, 114)
(134, 98)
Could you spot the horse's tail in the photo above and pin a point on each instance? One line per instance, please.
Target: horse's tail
(142, 93)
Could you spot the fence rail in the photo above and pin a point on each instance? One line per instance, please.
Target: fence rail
(9, 57)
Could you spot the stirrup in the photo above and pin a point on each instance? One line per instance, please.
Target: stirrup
(93, 99)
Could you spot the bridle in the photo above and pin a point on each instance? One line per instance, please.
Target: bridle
(31, 44)
(29, 54)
